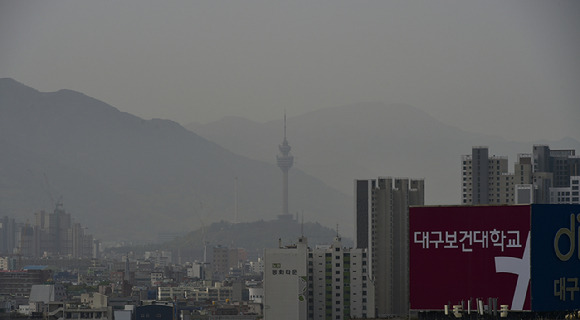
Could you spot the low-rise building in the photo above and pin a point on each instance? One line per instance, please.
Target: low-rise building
(570, 195)
(17, 283)
(92, 306)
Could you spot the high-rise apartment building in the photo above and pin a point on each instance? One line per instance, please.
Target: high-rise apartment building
(55, 234)
(339, 283)
(382, 227)
(486, 180)
(226, 259)
(8, 232)
(562, 164)
(285, 282)
(523, 184)
(326, 282)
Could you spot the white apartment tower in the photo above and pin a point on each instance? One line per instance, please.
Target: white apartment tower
(285, 282)
(327, 282)
(339, 283)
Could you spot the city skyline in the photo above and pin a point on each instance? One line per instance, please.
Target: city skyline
(164, 126)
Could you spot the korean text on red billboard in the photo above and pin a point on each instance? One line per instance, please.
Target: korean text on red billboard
(462, 253)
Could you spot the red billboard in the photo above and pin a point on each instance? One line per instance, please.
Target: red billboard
(462, 253)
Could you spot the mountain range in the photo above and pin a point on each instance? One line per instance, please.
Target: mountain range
(367, 140)
(126, 178)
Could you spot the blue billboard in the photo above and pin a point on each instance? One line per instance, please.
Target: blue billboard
(555, 257)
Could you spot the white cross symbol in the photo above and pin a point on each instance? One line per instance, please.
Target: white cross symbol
(520, 267)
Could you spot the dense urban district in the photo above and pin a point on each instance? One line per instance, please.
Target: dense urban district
(409, 259)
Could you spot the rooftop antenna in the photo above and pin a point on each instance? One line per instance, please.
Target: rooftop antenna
(47, 187)
(302, 225)
(284, 124)
(337, 231)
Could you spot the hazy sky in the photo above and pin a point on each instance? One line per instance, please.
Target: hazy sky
(504, 67)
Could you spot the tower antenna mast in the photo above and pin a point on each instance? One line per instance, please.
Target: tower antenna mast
(285, 160)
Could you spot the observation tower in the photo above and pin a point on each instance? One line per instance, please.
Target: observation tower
(285, 161)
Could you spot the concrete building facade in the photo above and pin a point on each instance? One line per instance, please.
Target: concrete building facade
(224, 259)
(486, 180)
(335, 282)
(570, 195)
(339, 283)
(55, 234)
(19, 282)
(382, 227)
(285, 282)
(8, 230)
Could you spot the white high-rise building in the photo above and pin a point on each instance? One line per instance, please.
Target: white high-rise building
(339, 283)
(285, 282)
(327, 282)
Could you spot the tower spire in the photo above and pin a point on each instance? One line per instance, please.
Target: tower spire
(285, 161)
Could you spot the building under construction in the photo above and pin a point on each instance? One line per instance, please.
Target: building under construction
(55, 235)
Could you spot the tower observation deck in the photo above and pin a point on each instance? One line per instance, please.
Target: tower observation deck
(285, 161)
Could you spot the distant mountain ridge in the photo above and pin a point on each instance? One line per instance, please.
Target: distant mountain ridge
(129, 178)
(252, 236)
(367, 140)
